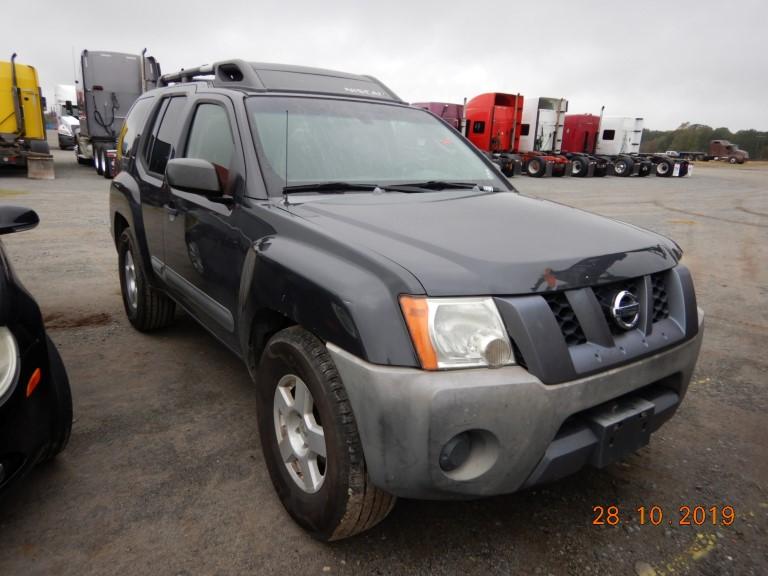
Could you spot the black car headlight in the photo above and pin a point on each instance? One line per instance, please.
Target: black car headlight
(9, 361)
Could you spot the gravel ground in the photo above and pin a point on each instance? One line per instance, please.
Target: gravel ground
(164, 473)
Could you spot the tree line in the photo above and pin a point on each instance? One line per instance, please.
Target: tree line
(696, 137)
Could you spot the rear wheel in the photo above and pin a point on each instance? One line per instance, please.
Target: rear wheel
(146, 308)
(310, 441)
(39, 147)
(107, 167)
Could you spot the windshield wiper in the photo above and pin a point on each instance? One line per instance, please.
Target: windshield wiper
(328, 187)
(443, 185)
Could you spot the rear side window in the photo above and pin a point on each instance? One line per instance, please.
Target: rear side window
(525, 129)
(165, 133)
(210, 138)
(609, 134)
(134, 126)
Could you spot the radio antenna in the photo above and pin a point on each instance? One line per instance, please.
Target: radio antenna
(285, 196)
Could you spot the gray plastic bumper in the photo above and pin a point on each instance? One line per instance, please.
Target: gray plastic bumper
(406, 416)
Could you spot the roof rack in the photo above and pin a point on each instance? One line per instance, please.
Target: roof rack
(264, 77)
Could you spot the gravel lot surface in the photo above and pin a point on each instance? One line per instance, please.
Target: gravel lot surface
(164, 473)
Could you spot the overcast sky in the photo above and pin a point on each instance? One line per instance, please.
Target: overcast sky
(669, 62)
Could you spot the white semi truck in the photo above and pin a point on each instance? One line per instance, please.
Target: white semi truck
(67, 114)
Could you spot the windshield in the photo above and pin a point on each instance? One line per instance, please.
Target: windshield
(358, 142)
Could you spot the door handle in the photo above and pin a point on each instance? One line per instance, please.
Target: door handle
(172, 212)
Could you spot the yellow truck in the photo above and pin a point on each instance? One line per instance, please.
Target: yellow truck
(22, 126)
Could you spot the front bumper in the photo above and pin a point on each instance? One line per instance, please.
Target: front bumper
(66, 140)
(521, 426)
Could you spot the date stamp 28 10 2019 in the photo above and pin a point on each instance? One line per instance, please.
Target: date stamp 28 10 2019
(685, 515)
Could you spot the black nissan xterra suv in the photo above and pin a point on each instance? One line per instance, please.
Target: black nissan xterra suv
(413, 326)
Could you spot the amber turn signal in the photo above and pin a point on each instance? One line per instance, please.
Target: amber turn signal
(34, 380)
(416, 313)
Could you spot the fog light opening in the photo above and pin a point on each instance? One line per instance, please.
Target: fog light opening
(455, 452)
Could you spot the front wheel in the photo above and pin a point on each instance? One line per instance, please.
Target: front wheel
(732, 160)
(146, 308)
(310, 441)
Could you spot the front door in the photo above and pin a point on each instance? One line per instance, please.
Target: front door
(204, 247)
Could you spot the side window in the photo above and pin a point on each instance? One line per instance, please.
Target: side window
(210, 138)
(525, 129)
(163, 139)
(478, 127)
(609, 134)
(134, 125)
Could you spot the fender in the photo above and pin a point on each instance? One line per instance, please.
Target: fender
(125, 200)
(347, 301)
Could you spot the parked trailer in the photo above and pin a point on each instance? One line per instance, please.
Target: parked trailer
(542, 132)
(110, 84)
(453, 114)
(22, 125)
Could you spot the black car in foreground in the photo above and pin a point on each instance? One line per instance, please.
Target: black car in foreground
(35, 400)
(414, 326)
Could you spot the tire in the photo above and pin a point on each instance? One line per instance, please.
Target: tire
(97, 160)
(623, 167)
(536, 167)
(107, 170)
(578, 166)
(335, 499)
(83, 161)
(732, 160)
(664, 168)
(61, 425)
(146, 308)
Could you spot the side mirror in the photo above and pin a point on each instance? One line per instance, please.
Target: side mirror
(193, 175)
(17, 219)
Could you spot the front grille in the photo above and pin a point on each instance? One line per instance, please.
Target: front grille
(566, 319)
(660, 300)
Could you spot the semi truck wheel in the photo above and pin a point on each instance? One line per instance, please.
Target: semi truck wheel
(536, 167)
(310, 441)
(578, 166)
(732, 160)
(664, 168)
(107, 167)
(97, 159)
(623, 167)
(39, 147)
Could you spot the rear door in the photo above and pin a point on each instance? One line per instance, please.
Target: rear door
(159, 147)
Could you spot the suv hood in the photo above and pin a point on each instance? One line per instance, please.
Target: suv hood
(465, 243)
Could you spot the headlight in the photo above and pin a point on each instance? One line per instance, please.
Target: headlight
(456, 332)
(64, 129)
(9, 361)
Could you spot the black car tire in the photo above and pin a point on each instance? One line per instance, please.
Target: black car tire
(536, 167)
(153, 310)
(732, 160)
(61, 426)
(39, 147)
(346, 502)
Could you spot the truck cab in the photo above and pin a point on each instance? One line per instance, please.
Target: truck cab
(725, 150)
(67, 115)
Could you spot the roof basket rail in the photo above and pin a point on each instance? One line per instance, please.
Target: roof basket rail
(225, 72)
